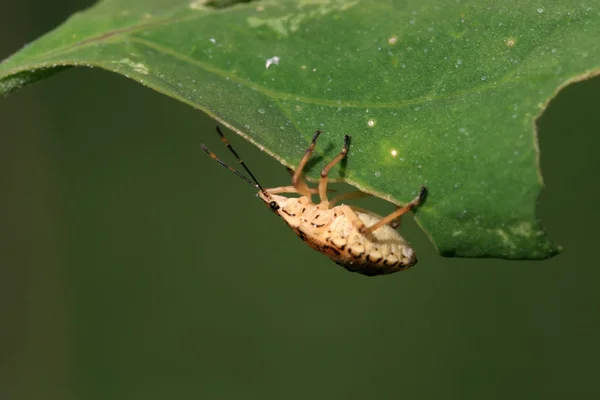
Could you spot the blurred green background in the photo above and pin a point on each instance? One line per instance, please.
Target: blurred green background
(134, 267)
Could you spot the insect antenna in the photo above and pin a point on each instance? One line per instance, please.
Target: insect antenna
(253, 182)
(224, 140)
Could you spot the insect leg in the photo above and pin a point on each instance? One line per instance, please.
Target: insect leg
(395, 224)
(348, 196)
(300, 184)
(288, 189)
(353, 218)
(398, 213)
(297, 180)
(365, 211)
(325, 171)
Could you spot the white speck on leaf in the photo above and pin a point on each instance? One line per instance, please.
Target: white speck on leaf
(371, 123)
(540, 10)
(261, 110)
(377, 174)
(270, 61)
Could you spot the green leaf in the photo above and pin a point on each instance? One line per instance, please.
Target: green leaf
(433, 92)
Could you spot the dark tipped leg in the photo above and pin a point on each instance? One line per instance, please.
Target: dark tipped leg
(297, 180)
(398, 213)
(301, 185)
(325, 171)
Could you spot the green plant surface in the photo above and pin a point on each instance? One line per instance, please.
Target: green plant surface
(435, 93)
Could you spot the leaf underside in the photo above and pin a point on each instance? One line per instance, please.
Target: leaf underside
(435, 93)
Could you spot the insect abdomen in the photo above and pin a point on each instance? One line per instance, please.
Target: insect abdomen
(384, 252)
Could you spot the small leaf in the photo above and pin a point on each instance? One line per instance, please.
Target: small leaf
(435, 93)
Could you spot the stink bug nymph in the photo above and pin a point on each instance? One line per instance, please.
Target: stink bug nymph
(354, 238)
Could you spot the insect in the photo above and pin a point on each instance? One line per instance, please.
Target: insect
(354, 238)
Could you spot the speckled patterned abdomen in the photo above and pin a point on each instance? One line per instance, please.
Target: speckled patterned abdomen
(382, 252)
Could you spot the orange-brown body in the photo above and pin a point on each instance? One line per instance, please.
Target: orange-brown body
(357, 240)
(332, 233)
